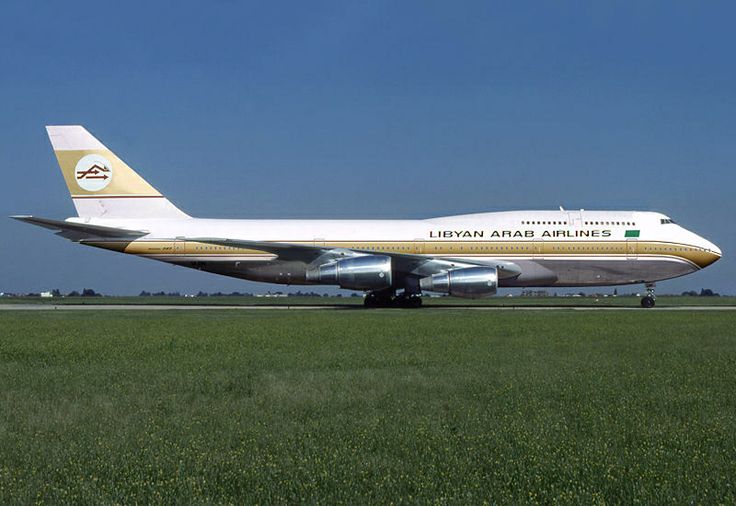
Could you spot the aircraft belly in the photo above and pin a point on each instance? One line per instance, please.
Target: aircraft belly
(534, 272)
(618, 271)
(267, 271)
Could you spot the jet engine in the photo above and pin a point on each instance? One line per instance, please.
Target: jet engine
(468, 282)
(369, 272)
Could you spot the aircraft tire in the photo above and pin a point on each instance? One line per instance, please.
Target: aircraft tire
(647, 302)
(370, 301)
(414, 302)
(373, 300)
(408, 301)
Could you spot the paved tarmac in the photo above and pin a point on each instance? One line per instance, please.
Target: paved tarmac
(188, 307)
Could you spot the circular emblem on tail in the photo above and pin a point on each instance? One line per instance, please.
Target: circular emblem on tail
(93, 173)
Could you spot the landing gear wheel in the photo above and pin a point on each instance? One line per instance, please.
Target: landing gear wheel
(370, 300)
(647, 302)
(378, 299)
(415, 301)
(408, 301)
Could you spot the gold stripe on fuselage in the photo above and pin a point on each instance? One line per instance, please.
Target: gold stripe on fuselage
(517, 249)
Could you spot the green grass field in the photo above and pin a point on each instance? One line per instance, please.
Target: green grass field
(381, 406)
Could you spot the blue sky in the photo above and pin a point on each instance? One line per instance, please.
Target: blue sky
(367, 109)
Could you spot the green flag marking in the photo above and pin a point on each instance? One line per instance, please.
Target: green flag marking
(631, 233)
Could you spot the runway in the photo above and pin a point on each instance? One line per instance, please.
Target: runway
(353, 307)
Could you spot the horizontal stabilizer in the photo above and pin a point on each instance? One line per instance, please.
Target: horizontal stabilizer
(78, 231)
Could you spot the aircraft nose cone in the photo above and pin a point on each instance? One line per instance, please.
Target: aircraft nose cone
(712, 252)
(712, 248)
(717, 250)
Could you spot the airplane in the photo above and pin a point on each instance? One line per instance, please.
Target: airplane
(392, 261)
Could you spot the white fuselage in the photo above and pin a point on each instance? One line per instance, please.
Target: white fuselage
(553, 248)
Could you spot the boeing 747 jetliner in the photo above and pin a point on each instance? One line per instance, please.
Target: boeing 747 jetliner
(393, 261)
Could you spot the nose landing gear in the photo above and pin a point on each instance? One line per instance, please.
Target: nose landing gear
(649, 299)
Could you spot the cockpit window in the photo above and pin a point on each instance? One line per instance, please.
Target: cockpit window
(666, 221)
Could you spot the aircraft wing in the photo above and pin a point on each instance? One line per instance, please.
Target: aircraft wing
(78, 231)
(418, 265)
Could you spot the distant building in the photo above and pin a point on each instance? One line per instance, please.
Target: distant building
(47, 295)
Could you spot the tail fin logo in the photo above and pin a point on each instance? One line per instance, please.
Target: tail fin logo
(93, 173)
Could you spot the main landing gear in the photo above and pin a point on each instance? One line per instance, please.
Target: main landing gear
(649, 299)
(388, 298)
(382, 298)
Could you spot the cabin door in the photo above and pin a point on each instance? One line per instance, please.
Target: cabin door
(538, 248)
(574, 219)
(179, 246)
(632, 249)
(418, 247)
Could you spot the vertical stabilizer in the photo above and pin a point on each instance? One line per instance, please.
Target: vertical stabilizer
(101, 184)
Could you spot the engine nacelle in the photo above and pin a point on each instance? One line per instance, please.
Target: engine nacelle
(469, 282)
(369, 272)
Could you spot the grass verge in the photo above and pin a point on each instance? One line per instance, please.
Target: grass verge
(379, 406)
